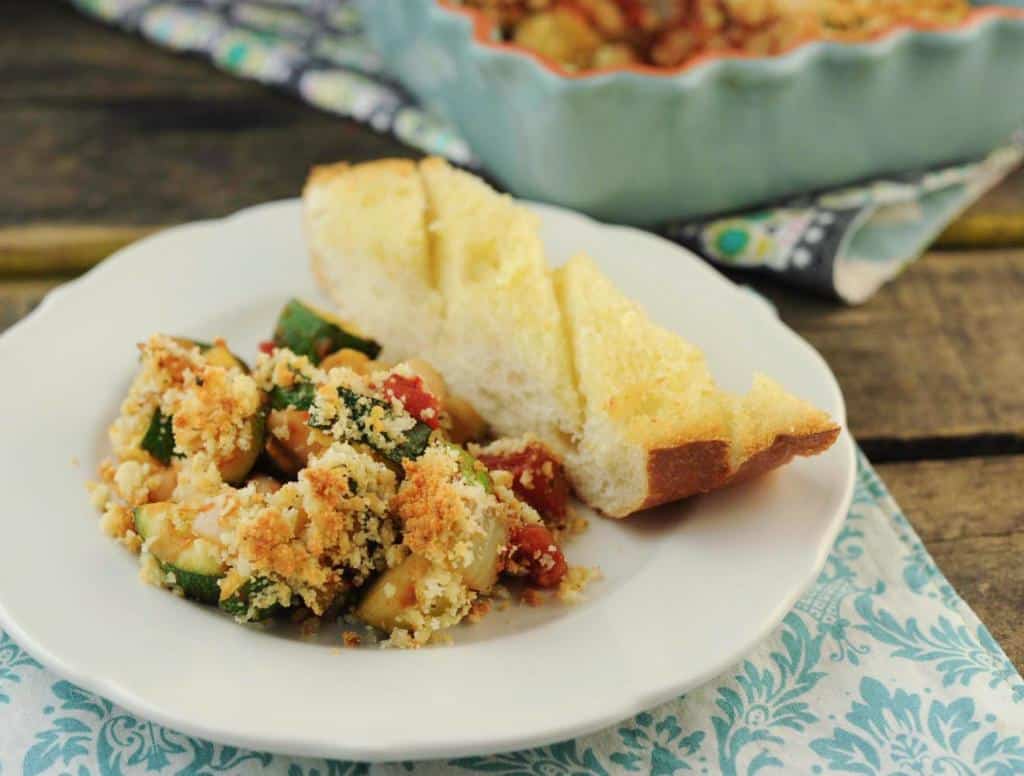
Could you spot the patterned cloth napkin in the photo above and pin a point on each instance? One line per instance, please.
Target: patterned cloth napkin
(879, 670)
(843, 243)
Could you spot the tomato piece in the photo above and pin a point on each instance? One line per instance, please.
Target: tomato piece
(267, 346)
(538, 478)
(534, 548)
(416, 399)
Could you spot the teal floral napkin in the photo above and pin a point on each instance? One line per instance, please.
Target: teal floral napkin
(879, 670)
(844, 243)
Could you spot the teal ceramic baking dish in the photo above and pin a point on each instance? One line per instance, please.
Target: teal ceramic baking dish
(720, 134)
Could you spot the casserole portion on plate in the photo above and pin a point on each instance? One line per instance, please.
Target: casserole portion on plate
(326, 482)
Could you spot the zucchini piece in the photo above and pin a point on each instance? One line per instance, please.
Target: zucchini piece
(314, 333)
(482, 573)
(239, 603)
(195, 562)
(219, 355)
(236, 467)
(360, 408)
(300, 396)
(158, 440)
(392, 594)
(472, 470)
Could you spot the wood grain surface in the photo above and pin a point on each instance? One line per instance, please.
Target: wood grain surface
(113, 138)
(932, 365)
(994, 222)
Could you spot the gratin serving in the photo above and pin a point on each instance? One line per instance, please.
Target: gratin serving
(325, 483)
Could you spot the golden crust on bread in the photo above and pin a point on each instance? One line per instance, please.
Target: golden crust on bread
(657, 428)
(684, 470)
(501, 342)
(783, 450)
(700, 467)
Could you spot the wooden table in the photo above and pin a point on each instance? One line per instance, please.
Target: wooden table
(109, 138)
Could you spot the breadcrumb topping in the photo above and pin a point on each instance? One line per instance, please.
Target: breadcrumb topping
(439, 511)
(213, 411)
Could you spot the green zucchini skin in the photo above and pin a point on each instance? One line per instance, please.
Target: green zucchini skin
(158, 440)
(472, 470)
(238, 603)
(197, 575)
(315, 334)
(300, 396)
(360, 406)
(202, 588)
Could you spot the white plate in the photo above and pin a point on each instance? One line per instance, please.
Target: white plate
(688, 588)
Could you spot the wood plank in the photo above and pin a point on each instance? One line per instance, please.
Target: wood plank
(970, 515)
(971, 498)
(932, 360)
(145, 162)
(996, 220)
(60, 54)
(109, 129)
(55, 250)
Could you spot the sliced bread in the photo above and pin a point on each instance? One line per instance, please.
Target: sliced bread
(366, 228)
(656, 427)
(501, 343)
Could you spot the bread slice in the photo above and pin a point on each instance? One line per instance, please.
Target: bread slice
(366, 228)
(502, 344)
(656, 427)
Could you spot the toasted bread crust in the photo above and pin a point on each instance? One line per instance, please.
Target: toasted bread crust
(783, 450)
(698, 467)
(676, 472)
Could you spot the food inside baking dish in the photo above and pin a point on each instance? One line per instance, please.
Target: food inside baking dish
(594, 34)
(324, 482)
